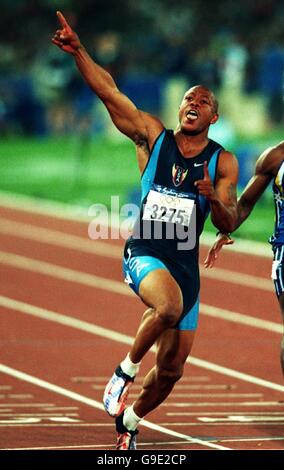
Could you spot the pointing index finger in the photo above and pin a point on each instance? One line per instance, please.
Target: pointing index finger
(206, 172)
(62, 20)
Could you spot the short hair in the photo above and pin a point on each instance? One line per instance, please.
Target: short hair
(213, 97)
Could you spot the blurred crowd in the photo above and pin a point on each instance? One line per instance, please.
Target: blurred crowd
(147, 46)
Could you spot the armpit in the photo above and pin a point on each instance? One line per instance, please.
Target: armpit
(142, 142)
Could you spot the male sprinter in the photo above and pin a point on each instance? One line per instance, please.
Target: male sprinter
(184, 175)
(269, 166)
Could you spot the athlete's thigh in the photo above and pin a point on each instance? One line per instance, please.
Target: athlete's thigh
(173, 347)
(160, 288)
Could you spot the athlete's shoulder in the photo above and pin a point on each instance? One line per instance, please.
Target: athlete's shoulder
(227, 158)
(270, 160)
(215, 145)
(227, 165)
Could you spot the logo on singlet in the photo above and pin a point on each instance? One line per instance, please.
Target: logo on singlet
(179, 174)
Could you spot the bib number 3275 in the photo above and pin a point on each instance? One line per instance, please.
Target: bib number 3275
(167, 208)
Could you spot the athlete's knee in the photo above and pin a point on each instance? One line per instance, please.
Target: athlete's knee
(169, 312)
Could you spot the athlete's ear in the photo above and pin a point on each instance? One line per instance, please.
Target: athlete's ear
(214, 119)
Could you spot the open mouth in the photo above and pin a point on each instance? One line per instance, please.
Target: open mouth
(192, 115)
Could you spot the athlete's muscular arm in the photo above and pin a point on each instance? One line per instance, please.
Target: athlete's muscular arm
(137, 125)
(265, 169)
(222, 198)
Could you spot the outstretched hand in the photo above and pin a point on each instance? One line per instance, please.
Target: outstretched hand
(212, 254)
(205, 186)
(65, 38)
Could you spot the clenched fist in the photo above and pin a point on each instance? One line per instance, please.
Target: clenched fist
(205, 186)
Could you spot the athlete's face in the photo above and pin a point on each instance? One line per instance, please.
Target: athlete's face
(197, 111)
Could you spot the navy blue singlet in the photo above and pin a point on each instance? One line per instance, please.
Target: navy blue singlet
(172, 216)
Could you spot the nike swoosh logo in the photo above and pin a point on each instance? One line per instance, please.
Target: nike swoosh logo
(198, 164)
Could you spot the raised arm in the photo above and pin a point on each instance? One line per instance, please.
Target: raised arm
(222, 197)
(137, 125)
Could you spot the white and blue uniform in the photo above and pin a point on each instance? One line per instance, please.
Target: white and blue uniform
(277, 239)
(172, 216)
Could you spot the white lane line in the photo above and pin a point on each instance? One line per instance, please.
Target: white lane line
(192, 395)
(103, 446)
(217, 404)
(97, 446)
(91, 328)
(184, 424)
(233, 373)
(90, 280)
(196, 378)
(206, 387)
(20, 396)
(111, 425)
(43, 415)
(60, 239)
(233, 423)
(138, 387)
(65, 274)
(248, 439)
(210, 395)
(95, 404)
(240, 318)
(79, 214)
(60, 408)
(242, 419)
(241, 279)
(107, 249)
(40, 424)
(186, 387)
(24, 405)
(224, 413)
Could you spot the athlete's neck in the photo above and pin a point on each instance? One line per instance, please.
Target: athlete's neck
(190, 145)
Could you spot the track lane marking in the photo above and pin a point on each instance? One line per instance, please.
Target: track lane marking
(65, 274)
(110, 250)
(241, 279)
(242, 419)
(240, 318)
(96, 446)
(49, 315)
(103, 446)
(91, 280)
(42, 415)
(62, 211)
(225, 413)
(170, 423)
(60, 239)
(96, 404)
(217, 404)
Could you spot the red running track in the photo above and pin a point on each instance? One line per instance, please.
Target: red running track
(67, 319)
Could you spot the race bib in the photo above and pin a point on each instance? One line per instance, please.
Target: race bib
(168, 207)
(275, 266)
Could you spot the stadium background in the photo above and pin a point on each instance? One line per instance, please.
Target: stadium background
(57, 141)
